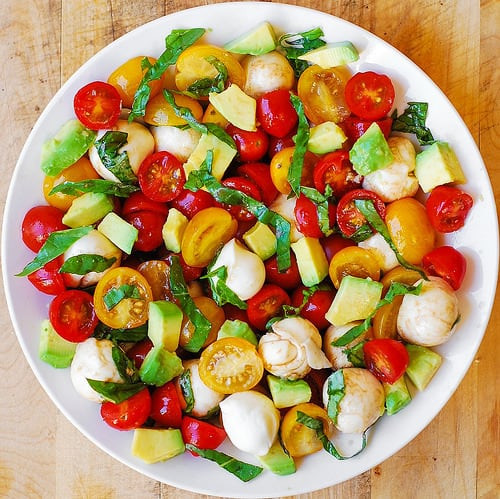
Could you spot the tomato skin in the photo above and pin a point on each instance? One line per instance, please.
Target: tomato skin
(447, 208)
(98, 105)
(247, 187)
(38, 223)
(138, 201)
(189, 273)
(252, 146)
(130, 414)
(233, 313)
(190, 203)
(277, 144)
(448, 263)
(369, 95)
(316, 306)
(139, 351)
(166, 406)
(354, 127)
(306, 215)
(386, 359)
(276, 113)
(201, 434)
(161, 176)
(260, 175)
(149, 224)
(289, 279)
(266, 304)
(72, 315)
(48, 280)
(334, 243)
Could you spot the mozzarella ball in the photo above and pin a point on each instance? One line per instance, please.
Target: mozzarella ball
(180, 143)
(292, 348)
(362, 403)
(267, 72)
(251, 421)
(139, 145)
(337, 355)
(381, 250)
(93, 360)
(285, 206)
(93, 243)
(428, 319)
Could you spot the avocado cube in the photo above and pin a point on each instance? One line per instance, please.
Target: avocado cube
(325, 137)
(259, 40)
(54, 349)
(423, 364)
(311, 260)
(119, 232)
(261, 240)
(173, 230)
(237, 329)
(160, 366)
(397, 396)
(87, 209)
(332, 54)
(277, 461)
(164, 324)
(155, 445)
(287, 393)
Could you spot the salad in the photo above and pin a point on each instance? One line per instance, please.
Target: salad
(241, 243)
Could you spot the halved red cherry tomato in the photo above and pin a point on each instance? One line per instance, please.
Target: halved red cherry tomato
(48, 280)
(139, 351)
(246, 186)
(316, 306)
(448, 263)
(149, 224)
(447, 208)
(277, 144)
(386, 359)
(275, 112)
(161, 176)
(336, 170)
(72, 315)
(137, 201)
(260, 175)
(252, 146)
(354, 127)
(266, 304)
(98, 105)
(349, 218)
(306, 215)
(166, 406)
(130, 414)
(334, 243)
(201, 434)
(369, 95)
(189, 273)
(190, 203)
(233, 313)
(38, 223)
(289, 279)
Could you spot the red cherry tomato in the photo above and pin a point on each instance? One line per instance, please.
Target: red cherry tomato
(190, 203)
(447, 208)
(38, 223)
(277, 144)
(349, 218)
(275, 113)
(161, 176)
(48, 280)
(336, 170)
(130, 414)
(234, 313)
(98, 105)
(369, 95)
(252, 146)
(354, 127)
(149, 224)
(139, 351)
(189, 273)
(448, 263)
(306, 215)
(316, 306)
(139, 202)
(266, 304)
(166, 406)
(386, 359)
(246, 186)
(72, 315)
(334, 243)
(260, 175)
(289, 279)
(201, 434)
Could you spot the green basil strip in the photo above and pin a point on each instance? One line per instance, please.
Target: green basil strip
(115, 392)
(322, 206)
(56, 244)
(177, 41)
(116, 295)
(179, 289)
(204, 86)
(367, 208)
(355, 355)
(116, 162)
(133, 335)
(395, 289)
(413, 121)
(244, 471)
(85, 263)
(95, 185)
(125, 366)
(222, 294)
(362, 233)
(301, 139)
(335, 391)
(187, 390)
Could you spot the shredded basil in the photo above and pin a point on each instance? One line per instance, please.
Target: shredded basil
(133, 335)
(204, 86)
(221, 292)
(116, 295)
(115, 392)
(85, 263)
(362, 233)
(301, 139)
(95, 185)
(322, 206)
(187, 390)
(413, 121)
(355, 355)
(116, 162)
(335, 391)
(125, 366)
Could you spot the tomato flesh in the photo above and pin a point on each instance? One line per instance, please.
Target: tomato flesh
(48, 280)
(354, 127)
(306, 216)
(149, 225)
(448, 263)
(315, 307)
(276, 113)
(289, 279)
(190, 203)
(138, 201)
(266, 304)
(166, 406)
(130, 414)
(260, 175)
(386, 359)
(139, 351)
(201, 434)
(252, 146)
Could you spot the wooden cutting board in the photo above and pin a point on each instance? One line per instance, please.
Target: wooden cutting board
(42, 42)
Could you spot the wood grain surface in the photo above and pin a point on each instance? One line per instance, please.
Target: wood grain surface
(42, 42)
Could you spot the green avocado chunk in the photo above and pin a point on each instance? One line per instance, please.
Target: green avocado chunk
(160, 366)
(155, 445)
(332, 54)
(54, 349)
(397, 396)
(287, 393)
(423, 364)
(119, 232)
(164, 325)
(87, 209)
(257, 41)
(237, 329)
(277, 460)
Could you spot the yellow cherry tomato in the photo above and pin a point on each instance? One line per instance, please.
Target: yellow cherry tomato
(400, 274)
(230, 365)
(354, 261)
(157, 273)
(81, 170)
(135, 293)
(410, 229)
(205, 234)
(280, 165)
(159, 112)
(211, 115)
(298, 439)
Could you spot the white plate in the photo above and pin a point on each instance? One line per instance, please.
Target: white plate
(28, 307)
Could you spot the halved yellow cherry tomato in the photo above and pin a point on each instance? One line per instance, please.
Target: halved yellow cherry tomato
(192, 65)
(205, 233)
(410, 229)
(159, 112)
(211, 115)
(400, 274)
(354, 261)
(280, 164)
(81, 170)
(157, 273)
(322, 93)
(127, 77)
(131, 311)
(212, 312)
(298, 439)
(230, 365)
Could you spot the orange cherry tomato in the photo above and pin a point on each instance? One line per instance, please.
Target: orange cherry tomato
(157, 273)
(159, 112)
(280, 164)
(129, 311)
(211, 115)
(230, 365)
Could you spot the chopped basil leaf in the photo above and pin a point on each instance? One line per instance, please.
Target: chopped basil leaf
(322, 206)
(413, 121)
(56, 244)
(355, 355)
(243, 471)
(362, 233)
(301, 138)
(335, 390)
(187, 390)
(85, 263)
(204, 86)
(221, 293)
(125, 366)
(95, 185)
(128, 335)
(116, 295)
(177, 41)
(145, 64)
(115, 392)
(116, 162)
